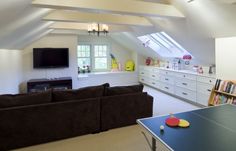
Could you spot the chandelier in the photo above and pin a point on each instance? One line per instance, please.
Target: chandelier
(97, 28)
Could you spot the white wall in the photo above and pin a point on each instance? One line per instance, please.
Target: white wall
(71, 41)
(10, 71)
(66, 41)
(114, 79)
(226, 58)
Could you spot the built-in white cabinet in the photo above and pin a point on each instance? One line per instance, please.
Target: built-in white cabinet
(190, 86)
(204, 87)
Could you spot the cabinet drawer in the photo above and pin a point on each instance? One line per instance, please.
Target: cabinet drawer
(185, 93)
(167, 88)
(186, 76)
(167, 79)
(155, 84)
(144, 79)
(155, 70)
(154, 76)
(202, 99)
(144, 73)
(204, 88)
(165, 72)
(206, 80)
(185, 83)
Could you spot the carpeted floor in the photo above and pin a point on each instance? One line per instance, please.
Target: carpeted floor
(121, 139)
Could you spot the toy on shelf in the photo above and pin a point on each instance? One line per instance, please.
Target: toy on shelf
(129, 65)
(149, 61)
(114, 64)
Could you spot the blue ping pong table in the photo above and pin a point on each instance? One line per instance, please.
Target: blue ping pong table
(211, 129)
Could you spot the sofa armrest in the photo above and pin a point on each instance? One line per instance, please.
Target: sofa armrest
(124, 110)
(35, 124)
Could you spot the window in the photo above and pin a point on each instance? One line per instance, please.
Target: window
(83, 55)
(95, 57)
(100, 57)
(164, 45)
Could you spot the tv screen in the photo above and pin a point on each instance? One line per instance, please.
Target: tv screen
(50, 57)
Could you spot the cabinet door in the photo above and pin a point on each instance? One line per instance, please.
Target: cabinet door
(202, 99)
(204, 88)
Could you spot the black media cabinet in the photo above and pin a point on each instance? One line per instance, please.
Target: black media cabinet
(39, 85)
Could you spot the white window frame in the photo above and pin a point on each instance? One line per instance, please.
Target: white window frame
(92, 56)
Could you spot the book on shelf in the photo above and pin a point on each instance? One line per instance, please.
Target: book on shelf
(224, 92)
(225, 86)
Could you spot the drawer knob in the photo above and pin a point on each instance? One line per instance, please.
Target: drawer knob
(210, 81)
(166, 79)
(208, 90)
(153, 76)
(185, 93)
(184, 83)
(167, 88)
(184, 76)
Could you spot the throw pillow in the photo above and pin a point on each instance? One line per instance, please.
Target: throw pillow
(11, 100)
(82, 93)
(124, 89)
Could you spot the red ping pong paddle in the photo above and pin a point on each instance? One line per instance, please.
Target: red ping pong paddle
(172, 121)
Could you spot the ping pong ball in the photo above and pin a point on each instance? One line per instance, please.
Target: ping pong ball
(162, 127)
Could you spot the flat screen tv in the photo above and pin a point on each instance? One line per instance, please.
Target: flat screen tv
(50, 57)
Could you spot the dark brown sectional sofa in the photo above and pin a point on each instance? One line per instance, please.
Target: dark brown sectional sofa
(35, 118)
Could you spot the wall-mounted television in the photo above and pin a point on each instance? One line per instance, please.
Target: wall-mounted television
(50, 57)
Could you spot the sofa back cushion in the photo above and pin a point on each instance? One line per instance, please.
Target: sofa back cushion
(124, 89)
(78, 94)
(11, 100)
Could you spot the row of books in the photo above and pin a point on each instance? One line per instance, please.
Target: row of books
(222, 99)
(225, 86)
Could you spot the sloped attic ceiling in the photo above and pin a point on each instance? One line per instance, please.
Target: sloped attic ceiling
(21, 23)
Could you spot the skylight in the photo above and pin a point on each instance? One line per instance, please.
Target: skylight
(164, 45)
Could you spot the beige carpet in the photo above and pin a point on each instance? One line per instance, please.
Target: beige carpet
(122, 139)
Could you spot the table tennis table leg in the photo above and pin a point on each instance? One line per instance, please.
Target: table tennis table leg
(153, 144)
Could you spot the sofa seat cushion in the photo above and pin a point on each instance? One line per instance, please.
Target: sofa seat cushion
(118, 90)
(79, 94)
(10, 100)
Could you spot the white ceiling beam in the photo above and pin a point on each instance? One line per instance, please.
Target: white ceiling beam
(83, 17)
(84, 27)
(139, 8)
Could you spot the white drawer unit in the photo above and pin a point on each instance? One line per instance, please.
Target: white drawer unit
(144, 73)
(154, 76)
(191, 86)
(186, 76)
(167, 88)
(165, 72)
(185, 83)
(144, 80)
(207, 80)
(204, 91)
(167, 79)
(204, 88)
(202, 99)
(185, 93)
